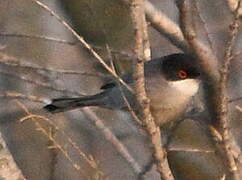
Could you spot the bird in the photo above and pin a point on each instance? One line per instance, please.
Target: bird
(170, 83)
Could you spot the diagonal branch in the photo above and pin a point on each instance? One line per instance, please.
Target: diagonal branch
(83, 42)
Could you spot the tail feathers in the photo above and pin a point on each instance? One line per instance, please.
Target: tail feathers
(65, 104)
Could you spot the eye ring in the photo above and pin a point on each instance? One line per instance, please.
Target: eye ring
(182, 74)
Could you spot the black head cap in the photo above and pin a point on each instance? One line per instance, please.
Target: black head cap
(179, 67)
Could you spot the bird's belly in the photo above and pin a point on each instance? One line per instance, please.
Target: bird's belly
(167, 114)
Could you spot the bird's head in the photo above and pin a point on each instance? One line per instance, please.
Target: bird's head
(182, 72)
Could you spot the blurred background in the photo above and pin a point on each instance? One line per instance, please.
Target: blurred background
(44, 68)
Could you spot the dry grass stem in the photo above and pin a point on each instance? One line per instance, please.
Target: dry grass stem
(88, 158)
(40, 128)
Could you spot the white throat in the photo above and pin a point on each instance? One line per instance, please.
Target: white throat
(187, 87)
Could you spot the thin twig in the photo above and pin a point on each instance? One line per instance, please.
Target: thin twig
(41, 37)
(140, 26)
(83, 42)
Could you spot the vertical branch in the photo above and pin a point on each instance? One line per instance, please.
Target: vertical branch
(138, 18)
(223, 99)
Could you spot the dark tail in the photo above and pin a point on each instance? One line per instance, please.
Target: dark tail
(65, 104)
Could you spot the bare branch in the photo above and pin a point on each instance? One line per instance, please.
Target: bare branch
(218, 96)
(223, 115)
(138, 18)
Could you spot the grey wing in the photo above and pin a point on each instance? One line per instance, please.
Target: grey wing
(115, 93)
(111, 84)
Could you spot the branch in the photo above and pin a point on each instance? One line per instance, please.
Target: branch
(217, 82)
(138, 18)
(223, 114)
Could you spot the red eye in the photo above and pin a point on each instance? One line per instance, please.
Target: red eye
(182, 74)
